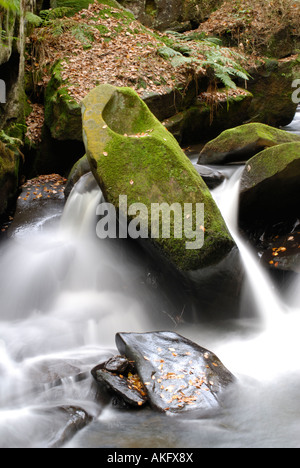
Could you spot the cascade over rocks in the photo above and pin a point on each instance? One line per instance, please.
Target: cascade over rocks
(172, 373)
(132, 154)
(241, 143)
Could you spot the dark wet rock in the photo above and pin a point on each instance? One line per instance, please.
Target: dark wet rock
(127, 387)
(211, 177)
(177, 374)
(40, 203)
(283, 253)
(117, 364)
(269, 188)
(73, 419)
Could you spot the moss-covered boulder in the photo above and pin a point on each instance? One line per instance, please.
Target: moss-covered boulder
(270, 188)
(241, 143)
(132, 154)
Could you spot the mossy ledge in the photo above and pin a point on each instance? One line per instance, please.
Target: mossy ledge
(131, 153)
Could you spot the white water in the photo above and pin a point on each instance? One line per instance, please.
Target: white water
(64, 295)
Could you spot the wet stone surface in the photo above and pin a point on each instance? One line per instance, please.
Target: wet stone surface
(283, 253)
(41, 201)
(170, 372)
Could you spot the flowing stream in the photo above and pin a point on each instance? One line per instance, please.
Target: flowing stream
(64, 295)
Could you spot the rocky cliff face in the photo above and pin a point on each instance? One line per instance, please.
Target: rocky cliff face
(12, 128)
(175, 14)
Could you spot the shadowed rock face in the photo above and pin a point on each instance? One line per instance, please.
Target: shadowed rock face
(269, 191)
(171, 14)
(131, 153)
(175, 375)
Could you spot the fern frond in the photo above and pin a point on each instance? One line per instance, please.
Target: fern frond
(11, 5)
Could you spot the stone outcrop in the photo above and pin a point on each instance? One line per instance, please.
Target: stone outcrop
(172, 14)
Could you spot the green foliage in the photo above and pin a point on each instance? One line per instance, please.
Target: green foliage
(11, 5)
(56, 13)
(11, 142)
(83, 33)
(33, 19)
(222, 64)
(225, 67)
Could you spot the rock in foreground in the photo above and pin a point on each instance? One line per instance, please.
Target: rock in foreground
(172, 373)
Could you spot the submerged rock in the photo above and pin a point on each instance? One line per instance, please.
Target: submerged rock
(175, 375)
(241, 143)
(132, 154)
(211, 177)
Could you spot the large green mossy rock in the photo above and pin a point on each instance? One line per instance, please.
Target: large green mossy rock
(270, 188)
(132, 154)
(241, 143)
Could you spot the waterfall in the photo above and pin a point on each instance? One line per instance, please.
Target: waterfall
(268, 302)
